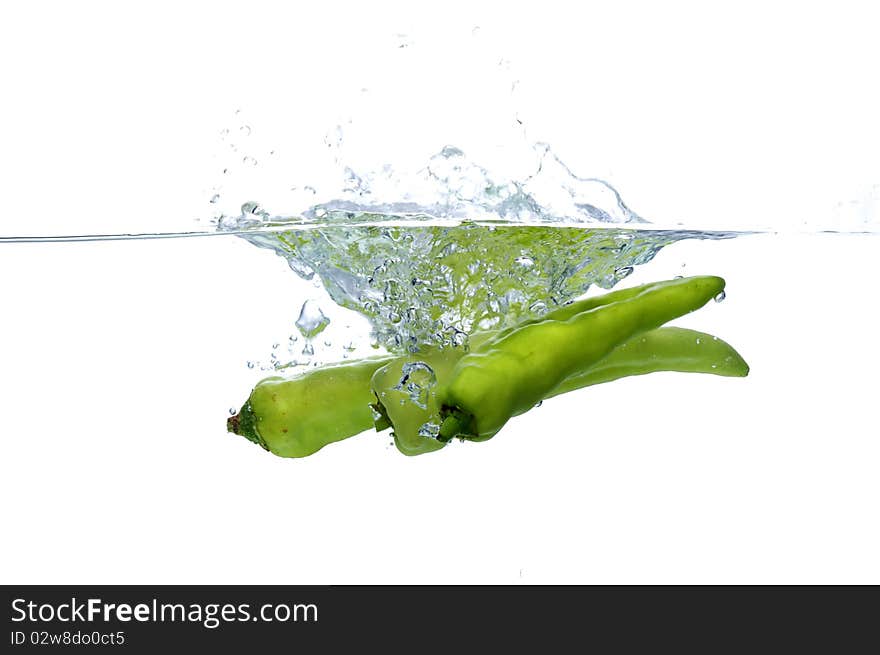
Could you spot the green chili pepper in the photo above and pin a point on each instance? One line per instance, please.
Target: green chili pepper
(479, 340)
(406, 399)
(663, 349)
(510, 374)
(415, 421)
(297, 417)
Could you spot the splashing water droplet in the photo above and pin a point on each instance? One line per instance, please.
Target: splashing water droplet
(311, 319)
(308, 349)
(251, 364)
(247, 160)
(524, 261)
(253, 208)
(232, 411)
(721, 296)
(214, 199)
(245, 129)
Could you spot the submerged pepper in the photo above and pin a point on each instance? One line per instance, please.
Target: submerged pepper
(298, 416)
(671, 349)
(405, 397)
(480, 340)
(411, 406)
(295, 417)
(510, 374)
(416, 426)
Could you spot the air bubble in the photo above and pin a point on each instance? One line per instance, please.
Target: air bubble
(252, 207)
(311, 321)
(392, 290)
(418, 379)
(430, 430)
(302, 269)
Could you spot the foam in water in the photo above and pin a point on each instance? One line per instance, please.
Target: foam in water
(430, 256)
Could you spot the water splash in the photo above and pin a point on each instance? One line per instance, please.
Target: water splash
(431, 255)
(418, 379)
(451, 186)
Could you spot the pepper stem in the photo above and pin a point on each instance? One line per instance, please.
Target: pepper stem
(455, 423)
(245, 424)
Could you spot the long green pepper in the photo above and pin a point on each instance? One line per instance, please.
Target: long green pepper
(415, 425)
(296, 417)
(514, 372)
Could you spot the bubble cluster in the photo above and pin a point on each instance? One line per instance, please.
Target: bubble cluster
(449, 249)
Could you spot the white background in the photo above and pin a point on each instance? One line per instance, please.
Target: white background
(118, 361)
